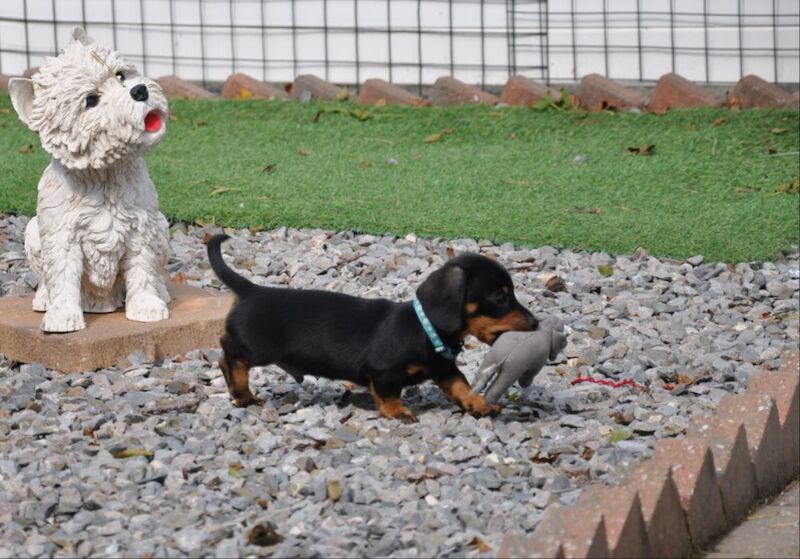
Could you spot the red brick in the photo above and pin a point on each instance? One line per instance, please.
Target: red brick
(696, 481)
(597, 93)
(580, 531)
(661, 508)
(308, 86)
(4, 82)
(379, 92)
(784, 386)
(759, 415)
(676, 92)
(754, 92)
(197, 318)
(520, 90)
(522, 547)
(242, 86)
(736, 477)
(450, 91)
(622, 515)
(30, 72)
(173, 86)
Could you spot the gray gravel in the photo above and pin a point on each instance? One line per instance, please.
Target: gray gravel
(151, 458)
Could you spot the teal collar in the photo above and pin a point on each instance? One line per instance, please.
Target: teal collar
(433, 335)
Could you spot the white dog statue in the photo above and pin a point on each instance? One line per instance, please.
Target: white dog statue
(98, 239)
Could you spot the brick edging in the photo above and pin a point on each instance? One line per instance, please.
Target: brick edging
(682, 499)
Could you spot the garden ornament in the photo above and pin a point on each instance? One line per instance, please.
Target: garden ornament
(518, 356)
(98, 239)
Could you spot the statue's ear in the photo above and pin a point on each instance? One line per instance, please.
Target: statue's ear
(79, 35)
(21, 90)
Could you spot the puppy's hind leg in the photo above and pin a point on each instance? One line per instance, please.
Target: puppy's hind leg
(236, 371)
(387, 398)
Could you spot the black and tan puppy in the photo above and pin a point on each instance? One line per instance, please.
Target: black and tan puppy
(372, 342)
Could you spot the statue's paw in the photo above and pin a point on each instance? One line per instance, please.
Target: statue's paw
(146, 307)
(40, 300)
(68, 318)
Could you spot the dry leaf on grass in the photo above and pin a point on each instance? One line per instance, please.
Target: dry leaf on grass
(584, 210)
(27, 148)
(719, 121)
(304, 152)
(647, 149)
(269, 168)
(223, 190)
(438, 136)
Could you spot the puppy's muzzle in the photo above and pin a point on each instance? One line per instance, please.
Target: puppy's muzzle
(139, 92)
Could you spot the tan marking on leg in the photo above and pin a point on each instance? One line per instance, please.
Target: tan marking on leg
(414, 369)
(459, 391)
(391, 406)
(471, 307)
(237, 379)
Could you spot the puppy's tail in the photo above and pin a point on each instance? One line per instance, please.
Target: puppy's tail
(238, 284)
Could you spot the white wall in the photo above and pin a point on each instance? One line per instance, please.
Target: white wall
(264, 46)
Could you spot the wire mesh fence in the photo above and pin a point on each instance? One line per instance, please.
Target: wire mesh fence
(413, 42)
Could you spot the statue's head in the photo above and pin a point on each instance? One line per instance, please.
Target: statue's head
(90, 107)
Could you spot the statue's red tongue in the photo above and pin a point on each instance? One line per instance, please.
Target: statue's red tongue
(152, 122)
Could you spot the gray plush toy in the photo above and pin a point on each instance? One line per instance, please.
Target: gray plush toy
(519, 356)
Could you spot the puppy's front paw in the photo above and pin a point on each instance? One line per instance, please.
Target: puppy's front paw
(67, 318)
(476, 405)
(146, 307)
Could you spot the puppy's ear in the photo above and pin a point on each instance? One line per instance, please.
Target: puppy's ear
(21, 90)
(442, 296)
(79, 35)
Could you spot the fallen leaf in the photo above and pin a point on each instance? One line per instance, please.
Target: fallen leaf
(131, 453)
(619, 435)
(746, 189)
(269, 168)
(482, 546)
(451, 253)
(605, 271)
(304, 152)
(179, 278)
(222, 190)
(647, 149)
(245, 93)
(342, 95)
(625, 209)
(519, 182)
(263, 534)
(27, 148)
(555, 284)
(790, 188)
(721, 120)
(363, 164)
(438, 136)
(5, 111)
(779, 130)
(512, 136)
(583, 210)
(234, 469)
(334, 489)
(684, 379)
(587, 453)
(539, 458)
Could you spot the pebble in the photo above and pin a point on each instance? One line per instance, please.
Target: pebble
(331, 476)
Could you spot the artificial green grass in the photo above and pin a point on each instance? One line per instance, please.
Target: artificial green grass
(502, 174)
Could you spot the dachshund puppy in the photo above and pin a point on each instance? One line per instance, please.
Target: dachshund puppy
(376, 343)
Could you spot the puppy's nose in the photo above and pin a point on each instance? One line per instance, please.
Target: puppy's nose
(139, 92)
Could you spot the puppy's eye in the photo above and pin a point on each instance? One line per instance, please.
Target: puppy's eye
(121, 76)
(499, 297)
(92, 100)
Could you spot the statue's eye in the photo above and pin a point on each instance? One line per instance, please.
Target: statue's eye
(121, 76)
(92, 100)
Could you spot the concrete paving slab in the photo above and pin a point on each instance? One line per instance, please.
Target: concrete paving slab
(196, 321)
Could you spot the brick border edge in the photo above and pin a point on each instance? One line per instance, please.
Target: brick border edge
(693, 490)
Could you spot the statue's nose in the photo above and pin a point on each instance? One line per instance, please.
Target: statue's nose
(139, 92)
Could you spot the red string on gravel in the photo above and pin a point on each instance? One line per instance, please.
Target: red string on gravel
(607, 382)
